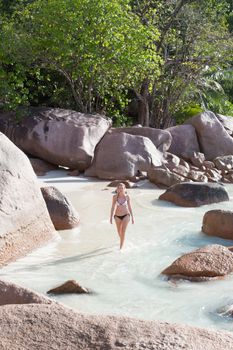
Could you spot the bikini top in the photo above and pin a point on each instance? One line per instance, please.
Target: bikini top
(125, 203)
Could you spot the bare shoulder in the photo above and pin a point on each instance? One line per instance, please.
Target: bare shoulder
(114, 197)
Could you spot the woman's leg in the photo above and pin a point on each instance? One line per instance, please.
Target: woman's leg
(118, 225)
(124, 225)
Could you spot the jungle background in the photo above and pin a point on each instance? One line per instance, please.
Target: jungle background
(152, 62)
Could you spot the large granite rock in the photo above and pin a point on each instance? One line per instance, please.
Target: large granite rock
(212, 261)
(224, 162)
(24, 220)
(195, 194)
(227, 122)
(11, 293)
(122, 156)
(196, 158)
(171, 159)
(218, 223)
(165, 177)
(62, 137)
(214, 140)
(57, 328)
(61, 211)
(161, 138)
(41, 167)
(184, 139)
(70, 286)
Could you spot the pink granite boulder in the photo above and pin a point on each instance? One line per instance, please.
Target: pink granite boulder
(171, 159)
(227, 122)
(41, 167)
(208, 164)
(122, 156)
(214, 175)
(197, 159)
(11, 293)
(163, 176)
(55, 327)
(59, 136)
(68, 287)
(61, 211)
(24, 219)
(218, 223)
(213, 138)
(195, 194)
(224, 162)
(161, 138)
(212, 261)
(184, 139)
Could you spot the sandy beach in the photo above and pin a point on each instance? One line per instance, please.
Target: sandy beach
(126, 282)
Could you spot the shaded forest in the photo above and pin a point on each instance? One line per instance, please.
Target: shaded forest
(153, 62)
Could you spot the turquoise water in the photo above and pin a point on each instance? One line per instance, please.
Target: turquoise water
(127, 282)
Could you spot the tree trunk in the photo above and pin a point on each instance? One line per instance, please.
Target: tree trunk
(89, 102)
(143, 105)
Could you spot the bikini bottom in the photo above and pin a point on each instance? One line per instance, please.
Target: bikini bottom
(121, 217)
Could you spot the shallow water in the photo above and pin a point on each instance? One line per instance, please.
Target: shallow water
(127, 282)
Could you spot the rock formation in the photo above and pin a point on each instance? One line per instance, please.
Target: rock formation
(227, 122)
(62, 137)
(218, 223)
(11, 293)
(62, 213)
(55, 327)
(195, 194)
(162, 139)
(41, 167)
(121, 156)
(24, 219)
(78, 141)
(212, 261)
(214, 140)
(70, 286)
(184, 139)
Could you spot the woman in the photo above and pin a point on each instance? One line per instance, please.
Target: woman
(121, 211)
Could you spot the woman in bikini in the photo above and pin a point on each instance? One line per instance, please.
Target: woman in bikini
(121, 211)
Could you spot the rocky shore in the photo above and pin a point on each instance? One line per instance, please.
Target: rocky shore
(193, 160)
(201, 150)
(37, 323)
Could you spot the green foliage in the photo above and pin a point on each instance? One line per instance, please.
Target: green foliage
(87, 54)
(8, 7)
(116, 109)
(97, 47)
(187, 112)
(214, 91)
(195, 38)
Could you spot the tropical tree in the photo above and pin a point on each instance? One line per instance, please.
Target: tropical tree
(94, 49)
(87, 55)
(8, 7)
(195, 42)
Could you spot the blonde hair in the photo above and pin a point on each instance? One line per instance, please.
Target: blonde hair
(120, 184)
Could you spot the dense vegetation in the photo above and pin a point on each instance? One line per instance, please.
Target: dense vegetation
(168, 59)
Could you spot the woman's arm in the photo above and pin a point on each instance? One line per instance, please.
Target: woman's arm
(113, 208)
(130, 210)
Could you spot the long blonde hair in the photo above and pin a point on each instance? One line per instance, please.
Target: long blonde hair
(120, 184)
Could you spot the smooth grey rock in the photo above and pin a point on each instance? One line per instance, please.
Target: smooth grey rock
(195, 194)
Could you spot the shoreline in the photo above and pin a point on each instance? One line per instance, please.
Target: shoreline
(124, 283)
